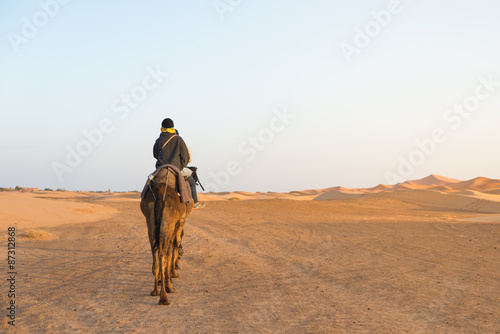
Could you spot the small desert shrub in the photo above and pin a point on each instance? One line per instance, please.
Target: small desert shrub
(37, 235)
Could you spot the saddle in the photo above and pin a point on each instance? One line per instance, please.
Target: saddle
(173, 176)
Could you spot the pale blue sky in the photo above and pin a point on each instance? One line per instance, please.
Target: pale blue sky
(352, 120)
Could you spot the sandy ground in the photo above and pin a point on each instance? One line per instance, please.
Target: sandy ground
(360, 265)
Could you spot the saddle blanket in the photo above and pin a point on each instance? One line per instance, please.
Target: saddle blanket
(183, 187)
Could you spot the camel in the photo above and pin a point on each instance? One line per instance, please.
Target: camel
(165, 217)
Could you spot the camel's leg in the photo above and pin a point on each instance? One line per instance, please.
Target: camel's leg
(177, 264)
(181, 250)
(175, 258)
(178, 251)
(156, 273)
(167, 242)
(168, 271)
(173, 273)
(163, 263)
(147, 208)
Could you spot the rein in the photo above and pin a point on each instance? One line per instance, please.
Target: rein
(166, 186)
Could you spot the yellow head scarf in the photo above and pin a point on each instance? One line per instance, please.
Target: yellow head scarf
(169, 130)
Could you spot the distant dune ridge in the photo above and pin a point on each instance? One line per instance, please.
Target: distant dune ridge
(432, 180)
(480, 194)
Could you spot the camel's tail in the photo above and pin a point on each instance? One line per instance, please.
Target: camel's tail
(158, 210)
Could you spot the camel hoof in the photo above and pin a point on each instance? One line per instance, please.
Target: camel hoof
(154, 293)
(175, 275)
(170, 290)
(164, 302)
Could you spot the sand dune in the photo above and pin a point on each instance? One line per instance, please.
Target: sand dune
(480, 183)
(464, 202)
(380, 187)
(432, 180)
(242, 195)
(406, 186)
(46, 209)
(338, 194)
(477, 195)
(305, 192)
(439, 188)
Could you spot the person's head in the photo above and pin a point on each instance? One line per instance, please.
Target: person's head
(168, 126)
(167, 123)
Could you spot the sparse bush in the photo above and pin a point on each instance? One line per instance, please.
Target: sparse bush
(37, 235)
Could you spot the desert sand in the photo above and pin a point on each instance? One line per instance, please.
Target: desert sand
(418, 257)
